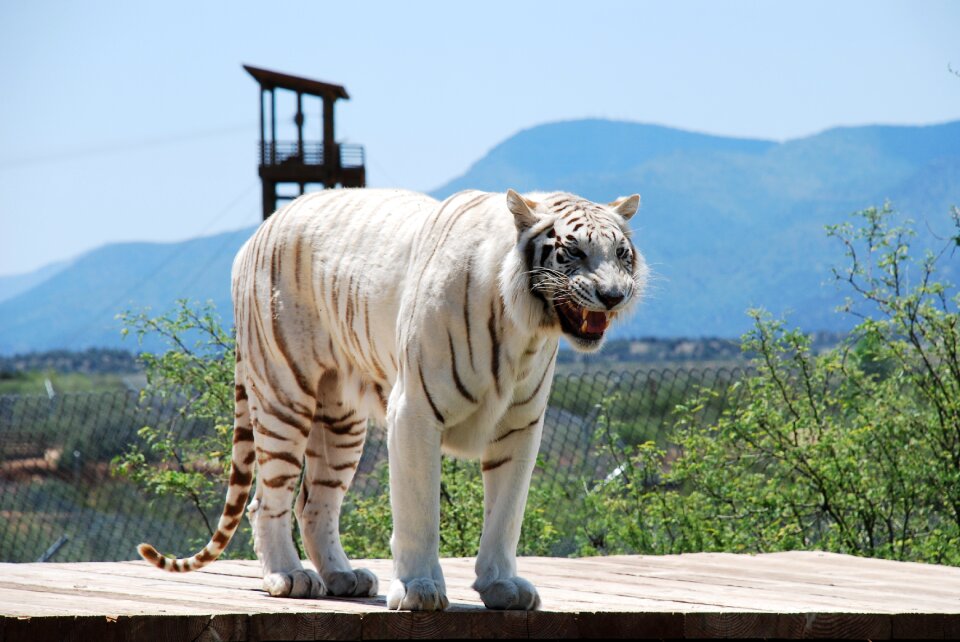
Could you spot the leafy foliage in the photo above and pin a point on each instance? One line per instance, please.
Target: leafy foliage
(856, 450)
(188, 455)
(367, 521)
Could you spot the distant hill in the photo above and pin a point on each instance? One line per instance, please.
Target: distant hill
(14, 284)
(76, 308)
(725, 224)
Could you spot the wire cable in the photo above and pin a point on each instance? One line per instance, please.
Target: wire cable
(164, 262)
(62, 156)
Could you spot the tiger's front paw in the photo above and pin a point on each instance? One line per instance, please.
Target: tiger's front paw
(512, 593)
(299, 583)
(420, 594)
(356, 583)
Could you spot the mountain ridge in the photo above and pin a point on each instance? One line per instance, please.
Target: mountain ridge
(77, 308)
(13, 284)
(725, 223)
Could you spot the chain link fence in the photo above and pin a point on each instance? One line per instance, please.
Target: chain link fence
(60, 501)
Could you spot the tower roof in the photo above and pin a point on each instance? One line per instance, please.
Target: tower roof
(271, 79)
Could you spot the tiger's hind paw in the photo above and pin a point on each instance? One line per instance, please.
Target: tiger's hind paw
(513, 594)
(421, 594)
(356, 583)
(299, 583)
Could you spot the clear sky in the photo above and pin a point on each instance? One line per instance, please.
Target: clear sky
(135, 121)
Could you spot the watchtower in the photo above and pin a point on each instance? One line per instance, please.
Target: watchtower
(322, 161)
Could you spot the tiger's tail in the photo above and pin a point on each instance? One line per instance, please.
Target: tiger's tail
(241, 478)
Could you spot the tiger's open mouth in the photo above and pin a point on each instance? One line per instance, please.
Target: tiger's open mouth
(581, 322)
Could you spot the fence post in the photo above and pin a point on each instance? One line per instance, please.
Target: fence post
(56, 546)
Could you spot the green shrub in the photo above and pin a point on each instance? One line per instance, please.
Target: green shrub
(197, 373)
(366, 524)
(187, 455)
(854, 451)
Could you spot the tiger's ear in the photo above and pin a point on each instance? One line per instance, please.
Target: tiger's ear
(522, 209)
(626, 206)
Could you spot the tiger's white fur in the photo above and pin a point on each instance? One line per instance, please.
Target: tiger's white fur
(440, 320)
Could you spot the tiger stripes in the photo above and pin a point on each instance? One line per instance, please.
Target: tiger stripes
(241, 475)
(439, 320)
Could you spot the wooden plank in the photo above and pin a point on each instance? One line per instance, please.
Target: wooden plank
(842, 626)
(139, 595)
(614, 597)
(774, 584)
(685, 588)
(924, 626)
(786, 595)
(809, 580)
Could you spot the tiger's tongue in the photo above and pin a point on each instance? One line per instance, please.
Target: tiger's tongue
(596, 322)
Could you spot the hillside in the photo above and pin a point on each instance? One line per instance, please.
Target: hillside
(77, 307)
(725, 224)
(14, 284)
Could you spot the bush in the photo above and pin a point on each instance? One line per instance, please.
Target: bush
(187, 455)
(367, 522)
(854, 451)
(180, 460)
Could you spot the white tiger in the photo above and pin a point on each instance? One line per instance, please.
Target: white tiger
(440, 320)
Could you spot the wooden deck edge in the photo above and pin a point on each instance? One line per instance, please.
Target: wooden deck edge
(483, 624)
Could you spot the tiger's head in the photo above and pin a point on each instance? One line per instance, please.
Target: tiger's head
(575, 268)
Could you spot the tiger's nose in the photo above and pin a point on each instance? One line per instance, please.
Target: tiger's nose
(609, 298)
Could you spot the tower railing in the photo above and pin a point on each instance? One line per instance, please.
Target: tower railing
(279, 153)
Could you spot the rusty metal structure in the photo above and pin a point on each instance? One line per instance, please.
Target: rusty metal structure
(306, 160)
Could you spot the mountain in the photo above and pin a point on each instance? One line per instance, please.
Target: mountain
(13, 284)
(725, 224)
(77, 307)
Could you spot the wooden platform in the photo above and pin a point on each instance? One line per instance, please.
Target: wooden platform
(781, 595)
